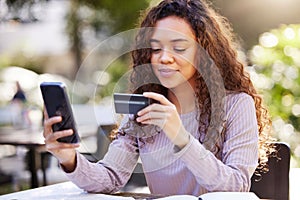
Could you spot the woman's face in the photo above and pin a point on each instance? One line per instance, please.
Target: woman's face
(173, 52)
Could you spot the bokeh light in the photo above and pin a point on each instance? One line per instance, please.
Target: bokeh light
(275, 73)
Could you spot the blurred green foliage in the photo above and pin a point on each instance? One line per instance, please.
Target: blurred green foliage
(116, 70)
(31, 63)
(120, 15)
(103, 17)
(276, 73)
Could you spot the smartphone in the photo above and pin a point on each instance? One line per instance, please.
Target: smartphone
(130, 103)
(57, 104)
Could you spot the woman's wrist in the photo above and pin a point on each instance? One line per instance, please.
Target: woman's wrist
(182, 139)
(69, 165)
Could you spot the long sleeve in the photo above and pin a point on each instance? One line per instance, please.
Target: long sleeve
(239, 153)
(109, 174)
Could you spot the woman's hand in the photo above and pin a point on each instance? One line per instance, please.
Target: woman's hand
(165, 116)
(64, 152)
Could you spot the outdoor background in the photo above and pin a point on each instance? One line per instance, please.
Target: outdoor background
(49, 39)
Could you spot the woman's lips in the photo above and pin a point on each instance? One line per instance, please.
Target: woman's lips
(167, 72)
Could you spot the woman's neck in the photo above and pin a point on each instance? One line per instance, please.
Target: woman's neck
(183, 98)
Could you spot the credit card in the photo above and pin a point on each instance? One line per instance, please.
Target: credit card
(130, 103)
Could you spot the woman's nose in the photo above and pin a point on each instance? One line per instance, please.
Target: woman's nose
(166, 56)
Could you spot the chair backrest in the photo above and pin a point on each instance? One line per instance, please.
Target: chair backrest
(103, 143)
(103, 140)
(275, 183)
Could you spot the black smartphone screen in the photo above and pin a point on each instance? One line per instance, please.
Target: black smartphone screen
(57, 104)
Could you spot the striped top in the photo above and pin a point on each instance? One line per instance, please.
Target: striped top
(192, 170)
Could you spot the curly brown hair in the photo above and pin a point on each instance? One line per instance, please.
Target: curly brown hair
(218, 46)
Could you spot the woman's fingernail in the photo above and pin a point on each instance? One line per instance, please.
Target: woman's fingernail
(131, 116)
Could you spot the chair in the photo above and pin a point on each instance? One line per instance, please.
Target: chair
(5, 178)
(103, 142)
(274, 184)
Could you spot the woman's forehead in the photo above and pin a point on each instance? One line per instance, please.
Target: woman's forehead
(173, 28)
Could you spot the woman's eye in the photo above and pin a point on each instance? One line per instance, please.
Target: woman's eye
(179, 49)
(155, 50)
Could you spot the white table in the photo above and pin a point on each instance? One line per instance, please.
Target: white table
(66, 190)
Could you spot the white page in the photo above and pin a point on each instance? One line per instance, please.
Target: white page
(179, 197)
(215, 196)
(229, 196)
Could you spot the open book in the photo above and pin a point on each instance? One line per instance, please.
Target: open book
(215, 196)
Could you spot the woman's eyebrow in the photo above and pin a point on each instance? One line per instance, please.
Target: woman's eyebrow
(154, 41)
(179, 40)
(173, 41)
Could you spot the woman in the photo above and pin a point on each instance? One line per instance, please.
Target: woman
(207, 125)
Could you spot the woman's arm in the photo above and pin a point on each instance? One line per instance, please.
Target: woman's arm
(106, 176)
(109, 174)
